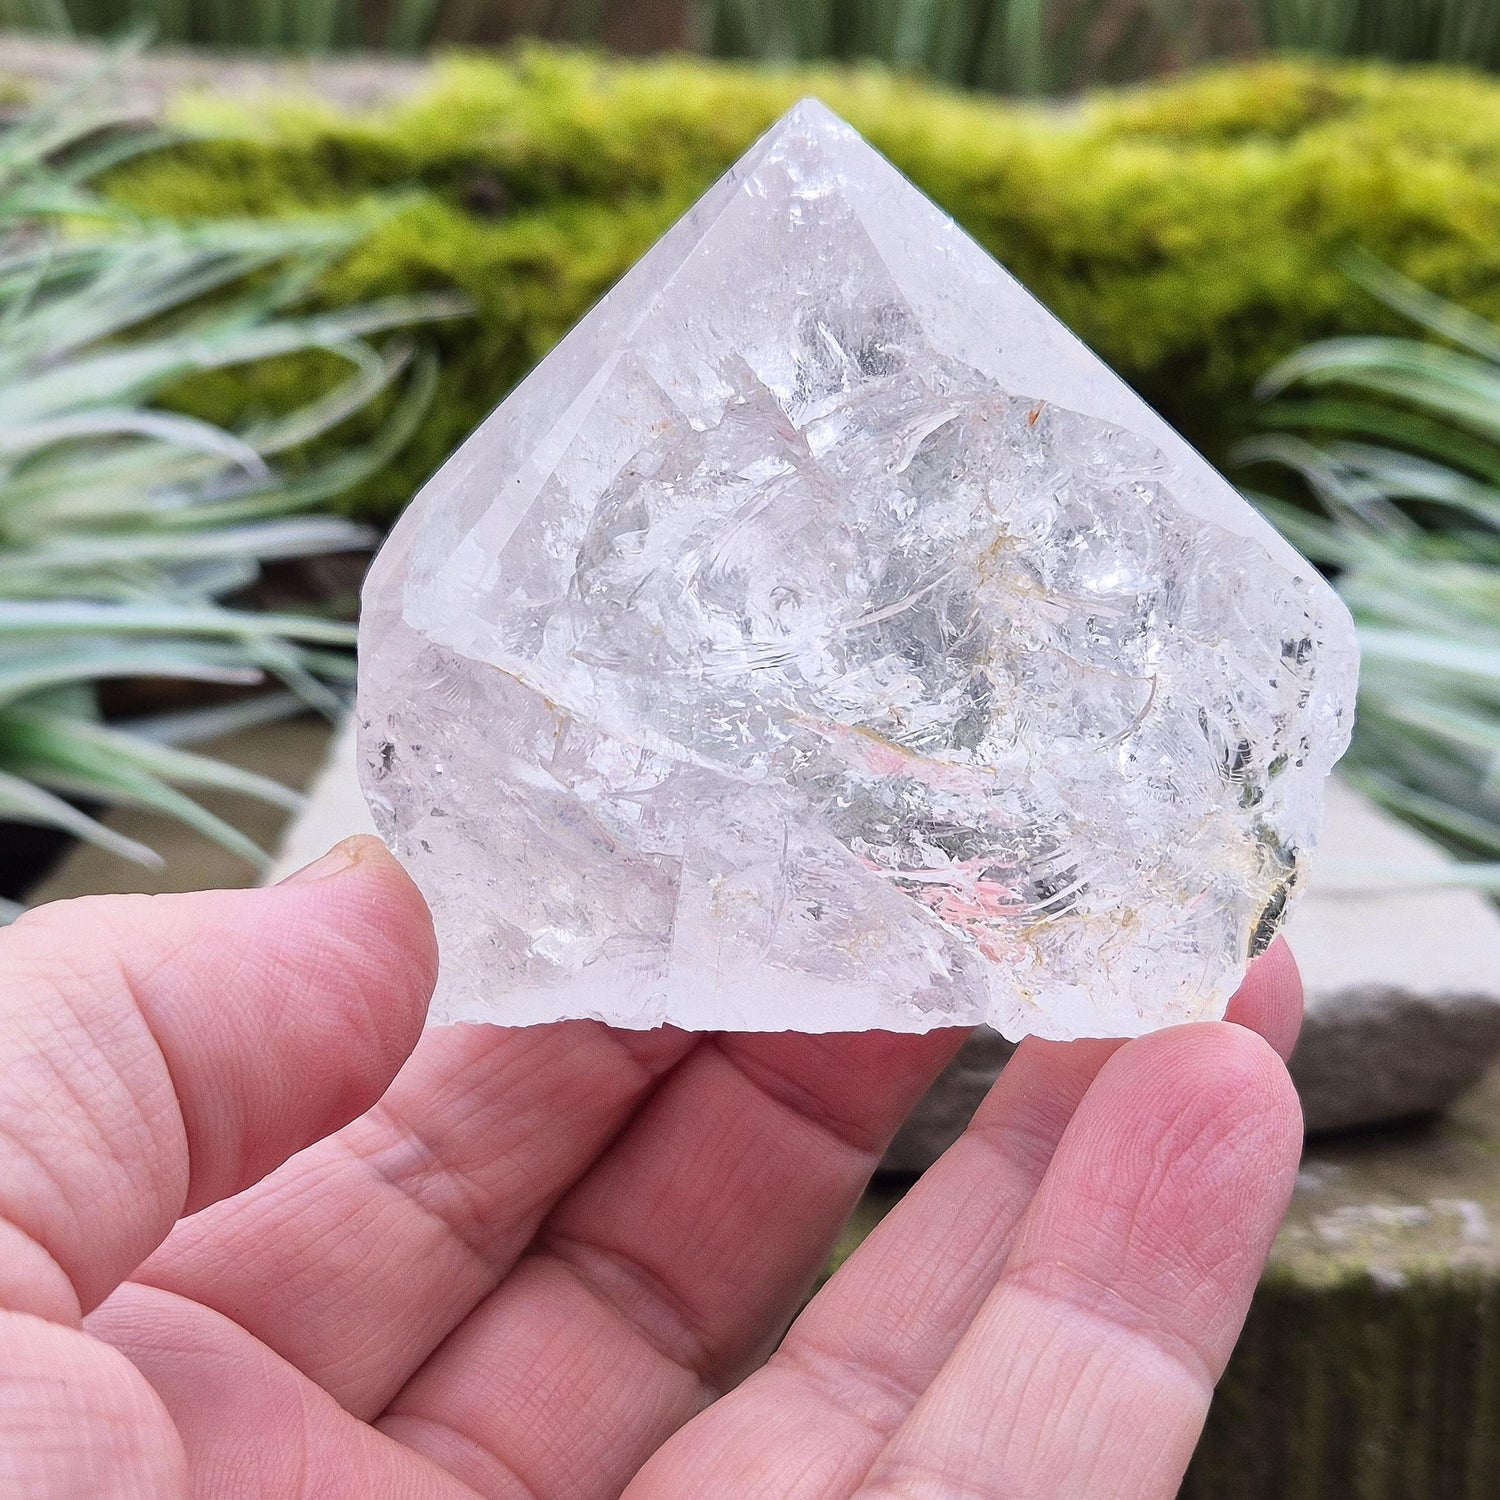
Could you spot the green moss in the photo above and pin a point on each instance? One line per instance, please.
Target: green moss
(1190, 231)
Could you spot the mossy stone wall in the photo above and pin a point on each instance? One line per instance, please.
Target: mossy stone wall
(1372, 1389)
(1191, 231)
(1369, 1368)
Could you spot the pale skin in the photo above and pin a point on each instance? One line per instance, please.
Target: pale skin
(259, 1236)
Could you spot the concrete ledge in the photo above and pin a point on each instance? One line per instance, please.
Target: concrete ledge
(149, 79)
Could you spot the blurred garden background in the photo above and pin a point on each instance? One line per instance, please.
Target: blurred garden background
(263, 265)
(1281, 230)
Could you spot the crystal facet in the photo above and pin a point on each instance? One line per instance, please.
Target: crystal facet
(823, 639)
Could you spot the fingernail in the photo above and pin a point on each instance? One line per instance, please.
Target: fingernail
(341, 857)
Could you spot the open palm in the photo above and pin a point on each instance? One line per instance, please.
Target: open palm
(556, 1262)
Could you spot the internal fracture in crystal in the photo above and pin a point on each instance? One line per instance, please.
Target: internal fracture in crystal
(823, 639)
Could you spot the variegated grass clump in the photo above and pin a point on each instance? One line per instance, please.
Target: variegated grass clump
(1399, 439)
(125, 529)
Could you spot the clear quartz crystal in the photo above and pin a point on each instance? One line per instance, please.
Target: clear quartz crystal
(823, 639)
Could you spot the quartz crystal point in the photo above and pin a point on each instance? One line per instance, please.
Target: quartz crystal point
(823, 639)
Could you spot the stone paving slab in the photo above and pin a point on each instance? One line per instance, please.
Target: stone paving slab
(150, 79)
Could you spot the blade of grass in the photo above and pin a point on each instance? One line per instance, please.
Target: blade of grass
(190, 725)
(1458, 387)
(24, 802)
(151, 757)
(100, 660)
(1393, 426)
(69, 616)
(1437, 314)
(1440, 816)
(66, 768)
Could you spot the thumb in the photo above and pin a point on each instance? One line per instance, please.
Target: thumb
(160, 1052)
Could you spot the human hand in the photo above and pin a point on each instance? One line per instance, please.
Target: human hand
(545, 1261)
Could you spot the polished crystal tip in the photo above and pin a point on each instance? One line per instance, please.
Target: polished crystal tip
(823, 639)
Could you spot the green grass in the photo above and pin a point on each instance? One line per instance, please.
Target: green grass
(1015, 46)
(1455, 31)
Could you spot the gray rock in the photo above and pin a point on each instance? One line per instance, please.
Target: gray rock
(1374, 1054)
(1403, 981)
